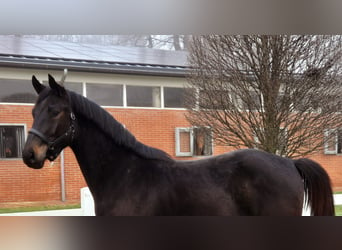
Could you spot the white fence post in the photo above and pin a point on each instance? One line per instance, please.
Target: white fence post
(87, 202)
(338, 199)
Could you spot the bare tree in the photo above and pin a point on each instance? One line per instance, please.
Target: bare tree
(170, 42)
(275, 93)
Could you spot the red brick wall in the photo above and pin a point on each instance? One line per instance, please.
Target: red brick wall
(151, 126)
(18, 182)
(333, 165)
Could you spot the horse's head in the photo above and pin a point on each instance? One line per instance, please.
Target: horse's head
(53, 126)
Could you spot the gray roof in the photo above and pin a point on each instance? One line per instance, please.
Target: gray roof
(34, 53)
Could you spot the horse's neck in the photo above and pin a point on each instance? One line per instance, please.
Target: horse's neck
(97, 155)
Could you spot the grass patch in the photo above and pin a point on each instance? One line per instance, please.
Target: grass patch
(338, 210)
(38, 208)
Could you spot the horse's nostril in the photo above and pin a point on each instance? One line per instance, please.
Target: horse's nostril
(31, 157)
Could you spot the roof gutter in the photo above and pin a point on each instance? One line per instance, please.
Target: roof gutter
(93, 66)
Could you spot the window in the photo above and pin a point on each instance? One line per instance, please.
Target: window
(74, 86)
(213, 99)
(195, 141)
(184, 142)
(12, 140)
(308, 103)
(143, 96)
(17, 91)
(174, 97)
(333, 141)
(332, 103)
(105, 94)
(251, 101)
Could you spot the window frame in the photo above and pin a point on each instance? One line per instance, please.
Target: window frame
(178, 130)
(327, 134)
(24, 137)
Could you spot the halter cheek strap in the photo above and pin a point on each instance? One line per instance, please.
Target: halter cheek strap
(55, 147)
(40, 135)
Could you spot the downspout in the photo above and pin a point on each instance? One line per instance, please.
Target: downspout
(62, 177)
(62, 154)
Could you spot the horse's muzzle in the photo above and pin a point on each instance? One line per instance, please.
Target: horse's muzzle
(30, 161)
(34, 155)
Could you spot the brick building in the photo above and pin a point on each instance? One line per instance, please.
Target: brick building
(140, 87)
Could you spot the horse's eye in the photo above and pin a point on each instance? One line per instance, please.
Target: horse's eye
(53, 111)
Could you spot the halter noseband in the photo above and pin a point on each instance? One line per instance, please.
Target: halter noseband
(54, 147)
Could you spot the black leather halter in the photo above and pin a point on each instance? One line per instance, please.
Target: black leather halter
(56, 146)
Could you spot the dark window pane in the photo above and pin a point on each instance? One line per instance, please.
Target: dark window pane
(174, 97)
(11, 141)
(213, 99)
(184, 141)
(17, 91)
(142, 96)
(74, 86)
(105, 94)
(247, 101)
(202, 141)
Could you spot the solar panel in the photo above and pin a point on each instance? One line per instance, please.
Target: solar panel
(21, 46)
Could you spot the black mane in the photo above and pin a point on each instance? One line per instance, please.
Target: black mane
(111, 127)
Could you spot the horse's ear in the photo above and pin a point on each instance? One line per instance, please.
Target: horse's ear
(37, 85)
(56, 87)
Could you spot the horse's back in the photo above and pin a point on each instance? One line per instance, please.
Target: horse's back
(256, 182)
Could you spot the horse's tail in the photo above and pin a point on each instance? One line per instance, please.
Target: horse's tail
(317, 187)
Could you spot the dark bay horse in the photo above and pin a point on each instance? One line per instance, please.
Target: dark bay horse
(127, 177)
